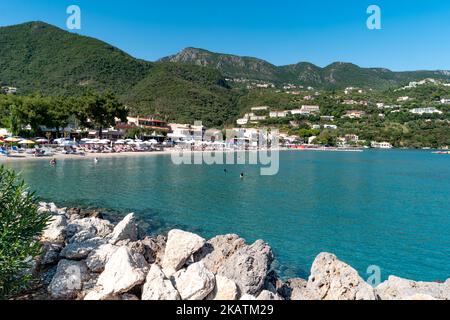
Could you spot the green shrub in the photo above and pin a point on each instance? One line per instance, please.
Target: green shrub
(20, 227)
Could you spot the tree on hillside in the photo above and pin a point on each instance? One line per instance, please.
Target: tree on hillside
(100, 111)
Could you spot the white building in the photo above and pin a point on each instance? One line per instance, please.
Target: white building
(9, 90)
(381, 145)
(330, 126)
(403, 99)
(445, 101)
(278, 114)
(261, 108)
(296, 111)
(354, 114)
(258, 118)
(351, 137)
(306, 110)
(242, 122)
(316, 127)
(186, 132)
(422, 111)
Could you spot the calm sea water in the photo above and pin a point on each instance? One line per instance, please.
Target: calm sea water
(385, 208)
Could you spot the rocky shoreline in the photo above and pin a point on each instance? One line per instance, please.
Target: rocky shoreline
(85, 257)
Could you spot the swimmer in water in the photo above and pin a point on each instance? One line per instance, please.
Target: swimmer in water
(53, 162)
(96, 160)
(242, 175)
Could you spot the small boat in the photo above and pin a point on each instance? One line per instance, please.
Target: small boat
(442, 152)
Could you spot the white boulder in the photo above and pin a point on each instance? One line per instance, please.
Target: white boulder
(180, 246)
(55, 232)
(125, 230)
(396, 288)
(225, 290)
(158, 287)
(332, 279)
(194, 283)
(124, 271)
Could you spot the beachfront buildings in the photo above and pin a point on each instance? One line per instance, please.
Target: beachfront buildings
(186, 132)
(351, 138)
(421, 111)
(381, 145)
(147, 123)
(445, 101)
(330, 126)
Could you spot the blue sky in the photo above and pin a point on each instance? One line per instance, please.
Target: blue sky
(415, 34)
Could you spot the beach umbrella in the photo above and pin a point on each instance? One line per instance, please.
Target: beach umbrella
(27, 142)
(12, 139)
(41, 140)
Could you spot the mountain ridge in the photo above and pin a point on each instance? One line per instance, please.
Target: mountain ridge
(306, 73)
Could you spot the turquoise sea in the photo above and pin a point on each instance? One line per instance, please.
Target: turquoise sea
(385, 208)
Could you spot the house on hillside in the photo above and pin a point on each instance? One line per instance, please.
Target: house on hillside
(8, 90)
(278, 114)
(421, 111)
(354, 114)
(261, 108)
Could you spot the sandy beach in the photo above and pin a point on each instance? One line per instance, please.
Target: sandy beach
(23, 157)
(59, 156)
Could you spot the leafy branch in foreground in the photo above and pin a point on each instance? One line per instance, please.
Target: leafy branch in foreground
(20, 227)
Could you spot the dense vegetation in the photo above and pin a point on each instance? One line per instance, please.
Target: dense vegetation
(92, 111)
(20, 227)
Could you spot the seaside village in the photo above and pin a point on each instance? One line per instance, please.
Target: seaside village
(159, 135)
(147, 134)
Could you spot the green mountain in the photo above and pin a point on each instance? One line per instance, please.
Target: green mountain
(37, 56)
(337, 75)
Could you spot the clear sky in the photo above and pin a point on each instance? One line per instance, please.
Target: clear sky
(415, 33)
